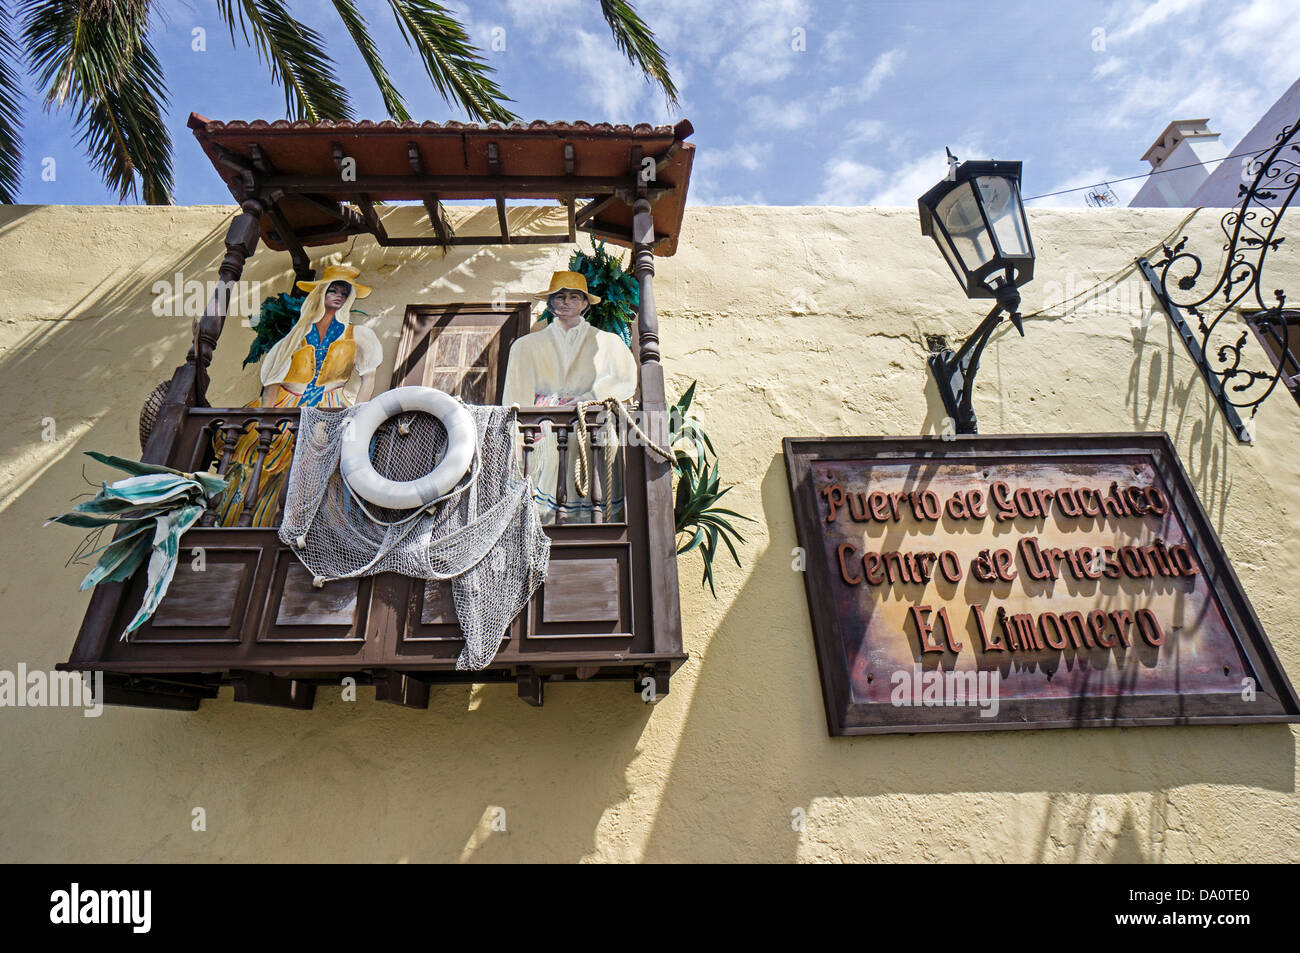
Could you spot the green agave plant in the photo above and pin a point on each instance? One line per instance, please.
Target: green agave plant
(154, 506)
(696, 511)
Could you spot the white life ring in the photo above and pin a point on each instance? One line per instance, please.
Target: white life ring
(360, 473)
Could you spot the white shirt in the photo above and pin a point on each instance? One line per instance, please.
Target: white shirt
(568, 341)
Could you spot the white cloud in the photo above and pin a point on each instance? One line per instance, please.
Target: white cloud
(769, 112)
(790, 113)
(1106, 67)
(1229, 70)
(847, 182)
(544, 16)
(1140, 18)
(763, 40)
(716, 173)
(911, 179)
(863, 130)
(883, 68)
(613, 86)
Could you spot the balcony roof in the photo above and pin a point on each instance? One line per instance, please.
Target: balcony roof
(314, 196)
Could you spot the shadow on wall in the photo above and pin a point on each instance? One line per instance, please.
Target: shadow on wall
(72, 369)
(480, 776)
(754, 751)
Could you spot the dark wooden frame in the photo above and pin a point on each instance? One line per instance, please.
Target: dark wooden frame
(1267, 337)
(1276, 700)
(414, 340)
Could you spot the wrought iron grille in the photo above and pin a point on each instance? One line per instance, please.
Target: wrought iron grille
(1239, 379)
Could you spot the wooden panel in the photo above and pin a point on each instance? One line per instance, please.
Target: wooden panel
(436, 606)
(212, 600)
(587, 590)
(1165, 644)
(582, 591)
(296, 611)
(334, 603)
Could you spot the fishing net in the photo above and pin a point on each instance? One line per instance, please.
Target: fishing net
(484, 536)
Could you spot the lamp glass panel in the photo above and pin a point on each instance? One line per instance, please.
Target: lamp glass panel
(960, 214)
(1002, 205)
(942, 241)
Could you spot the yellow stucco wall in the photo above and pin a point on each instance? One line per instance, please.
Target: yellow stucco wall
(795, 321)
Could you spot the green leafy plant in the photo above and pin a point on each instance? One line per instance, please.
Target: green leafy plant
(154, 506)
(616, 287)
(699, 520)
(277, 317)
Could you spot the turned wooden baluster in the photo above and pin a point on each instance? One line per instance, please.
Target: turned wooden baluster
(265, 434)
(285, 425)
(562, 477)
(530, 438)
(596, 440)
(229, 434)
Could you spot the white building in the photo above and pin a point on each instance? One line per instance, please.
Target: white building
(1189, 160)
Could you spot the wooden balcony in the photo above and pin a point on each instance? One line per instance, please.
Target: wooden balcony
(242, 609)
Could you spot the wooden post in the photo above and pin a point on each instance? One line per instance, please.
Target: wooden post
(401, 689)
(189, 384)
(665, 599)
(253, 488)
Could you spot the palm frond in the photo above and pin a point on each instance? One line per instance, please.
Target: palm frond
(11, 144)
(96, 57)
(637, 41)
(458, 72)
(360, 33)
(296, 54)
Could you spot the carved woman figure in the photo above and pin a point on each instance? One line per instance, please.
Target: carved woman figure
(310, 365)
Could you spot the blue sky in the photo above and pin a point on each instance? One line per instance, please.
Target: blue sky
(793, 101)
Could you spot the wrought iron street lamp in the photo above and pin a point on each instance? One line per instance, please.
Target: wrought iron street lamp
(976, 218)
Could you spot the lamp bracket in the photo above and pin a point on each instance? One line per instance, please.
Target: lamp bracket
(954, 372)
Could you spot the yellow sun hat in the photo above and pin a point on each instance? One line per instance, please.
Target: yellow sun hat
(334, 273)
(568, 281)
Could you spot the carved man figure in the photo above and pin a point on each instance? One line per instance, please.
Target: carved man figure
(567, 362)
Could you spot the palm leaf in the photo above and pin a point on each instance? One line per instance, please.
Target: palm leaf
(96, 58)
(360, 33)
(296, 54)
(458, 72)
(637, 42)
(11, 144)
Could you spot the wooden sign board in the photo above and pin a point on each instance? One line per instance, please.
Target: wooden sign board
(994, 582)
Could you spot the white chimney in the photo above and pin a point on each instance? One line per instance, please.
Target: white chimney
(1182, 158)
